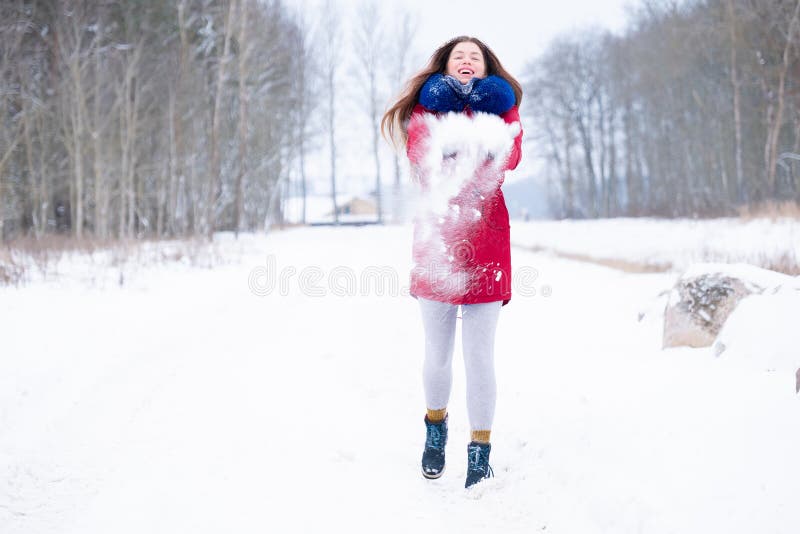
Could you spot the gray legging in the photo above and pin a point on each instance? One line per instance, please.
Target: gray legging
(479, 322)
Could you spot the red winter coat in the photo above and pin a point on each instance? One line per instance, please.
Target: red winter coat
(476, 266)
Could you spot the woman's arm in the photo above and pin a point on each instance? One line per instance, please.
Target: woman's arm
(511, 116)
(417, 135)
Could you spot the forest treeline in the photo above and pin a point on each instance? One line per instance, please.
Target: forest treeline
(693, 111)
(155, 118)
(160, 118)
(185, 117)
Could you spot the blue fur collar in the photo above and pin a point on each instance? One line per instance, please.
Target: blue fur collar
(489, 95)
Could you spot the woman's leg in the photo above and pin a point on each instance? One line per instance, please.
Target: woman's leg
(479, 322)
(439, 322)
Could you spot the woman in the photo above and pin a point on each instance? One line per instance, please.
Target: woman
(459, 121)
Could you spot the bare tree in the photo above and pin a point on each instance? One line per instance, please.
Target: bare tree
(775, 121)
(401, 51)
(331, 54)
(368, 41)
(215, 168)
(245, 50)
(15, 112)
(74, 48)
(737, 109)
(305, 101)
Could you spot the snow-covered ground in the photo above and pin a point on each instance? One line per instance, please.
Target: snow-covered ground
(281, 391)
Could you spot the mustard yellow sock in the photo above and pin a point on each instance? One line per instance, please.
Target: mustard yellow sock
(437, 416)
(481, 436)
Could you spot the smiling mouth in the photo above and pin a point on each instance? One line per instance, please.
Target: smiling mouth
(466, 71)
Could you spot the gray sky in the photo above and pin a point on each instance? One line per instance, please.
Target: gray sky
(517, 30)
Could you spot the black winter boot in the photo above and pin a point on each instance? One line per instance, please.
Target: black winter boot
(433, 456)
(478, 466)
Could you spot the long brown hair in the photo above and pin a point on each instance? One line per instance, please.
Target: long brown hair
(395, 121)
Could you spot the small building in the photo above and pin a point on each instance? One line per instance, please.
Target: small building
(319, 209)
(358, 206)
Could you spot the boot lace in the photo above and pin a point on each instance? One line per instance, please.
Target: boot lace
(478, 458)
(435, 437)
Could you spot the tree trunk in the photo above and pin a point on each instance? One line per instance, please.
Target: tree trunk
(773, 136)
(569, 186)
(101, 192)
(214, 188)
(332, 140)
(737, 111)
(77, 119)
(33, 181)
(586, 144)
(303, 181)
(244, 52)
(612, 200)
(375, 122)
(601, 127)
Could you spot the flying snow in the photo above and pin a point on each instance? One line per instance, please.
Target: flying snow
(463, 165)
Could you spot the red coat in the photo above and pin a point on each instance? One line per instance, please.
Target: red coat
(471, 262)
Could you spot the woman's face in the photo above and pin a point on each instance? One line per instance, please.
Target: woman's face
(466, 62)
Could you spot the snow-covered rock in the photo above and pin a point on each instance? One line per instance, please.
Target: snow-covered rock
(705, 296)
(772, 317)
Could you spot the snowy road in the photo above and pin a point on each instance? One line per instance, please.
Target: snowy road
(200, 400)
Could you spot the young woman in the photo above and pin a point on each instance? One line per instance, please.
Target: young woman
(459, 121)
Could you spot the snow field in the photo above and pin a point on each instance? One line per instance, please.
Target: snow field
(675, 243)
(184, 401)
